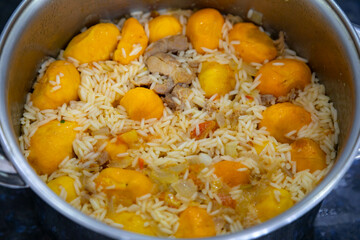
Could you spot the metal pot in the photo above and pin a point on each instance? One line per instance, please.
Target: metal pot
(316, 29)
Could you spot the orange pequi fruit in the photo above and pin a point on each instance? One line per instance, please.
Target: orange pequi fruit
(252, 44)
(65, 182)
(50, 145)
(133, 37)
(308, 155)
(163, 26)
(283, 118)
(95, 44)
(142, 103)
(232, 173)
(278, 77)
(123, 184)
(59, 85)
(195, 222)
(216, 78)
(204, 29)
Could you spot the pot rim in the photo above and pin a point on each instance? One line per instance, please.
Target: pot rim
(10, 144)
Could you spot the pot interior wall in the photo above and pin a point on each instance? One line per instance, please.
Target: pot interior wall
(48, 26)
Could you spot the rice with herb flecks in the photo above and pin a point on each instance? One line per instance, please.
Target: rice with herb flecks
(167, 142)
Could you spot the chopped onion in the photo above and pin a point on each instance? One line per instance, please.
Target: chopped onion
(102, 131)
(123, 163)
(230, 149)
(103, 158)
(255, 16)
(205, 159)
(220, 119)
(185, 188)
(219, 223)
(178, 168)
(164, 176)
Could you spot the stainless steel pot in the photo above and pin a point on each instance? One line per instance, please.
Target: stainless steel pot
(316, 29)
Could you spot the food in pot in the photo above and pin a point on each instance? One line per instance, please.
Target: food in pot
(281, 119)
(133, 42)
(95, 44)
(279, 77)
(216, 78)
(163, 26)
(204, 29)
(59, 85)
(251, 44)
(179, 124)
(50, 144)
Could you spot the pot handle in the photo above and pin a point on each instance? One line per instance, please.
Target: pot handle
(8, 175)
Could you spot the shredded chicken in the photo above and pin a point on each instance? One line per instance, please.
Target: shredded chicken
(166, 64)
(170, 44)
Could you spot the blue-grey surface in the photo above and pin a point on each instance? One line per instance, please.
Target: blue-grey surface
(338, 218)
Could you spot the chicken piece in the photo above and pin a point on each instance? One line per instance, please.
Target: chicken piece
(253, 45)
(181, 93)
(163, 26)
(272, 202)
(50, 145)
(95, 44)
(160, 88)
(308, 155)
(170, 44)
(168, 99)
(66, 183)
(143, 81)
(168, 65)
(195, 222)
(131, 222)
(164, 88)
(123, 184)
(283, 118)
(62, 76)
(280, 76)
(232, 173)
(204, 29)
(142, 103)
(133, 37)
(216, 78)
(162, 63)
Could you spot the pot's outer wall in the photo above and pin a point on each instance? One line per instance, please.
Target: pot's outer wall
(40, 28)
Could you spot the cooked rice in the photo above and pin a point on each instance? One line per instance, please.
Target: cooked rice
(108, 81)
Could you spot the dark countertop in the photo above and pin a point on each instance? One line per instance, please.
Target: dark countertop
(338, 218)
